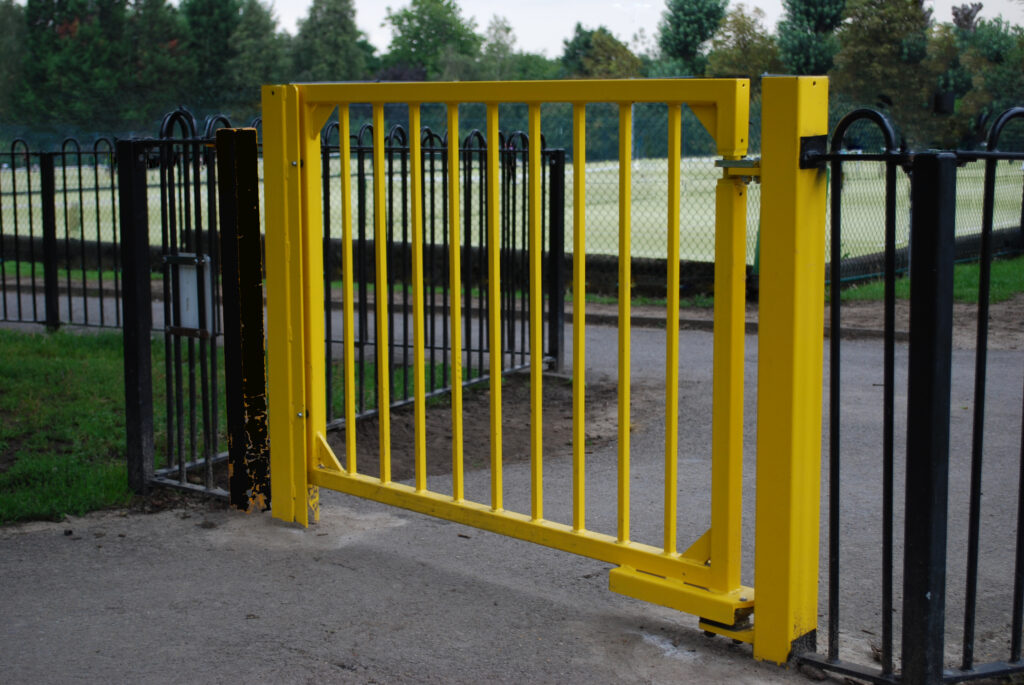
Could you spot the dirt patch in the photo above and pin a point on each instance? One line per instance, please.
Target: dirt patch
(1005, 331)
(557, 420)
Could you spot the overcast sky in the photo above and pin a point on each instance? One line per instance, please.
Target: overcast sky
(542, 25)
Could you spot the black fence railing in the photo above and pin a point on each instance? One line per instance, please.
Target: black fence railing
(59, 235)
(169, 212)
(946, 571)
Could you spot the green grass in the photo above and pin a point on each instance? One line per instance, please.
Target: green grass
(1007, 279)
(13, 269)
(62, 425)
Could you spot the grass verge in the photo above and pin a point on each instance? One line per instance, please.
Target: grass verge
(61, 425)
(1007, 279)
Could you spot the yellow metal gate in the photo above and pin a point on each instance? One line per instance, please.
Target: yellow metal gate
(703, 580)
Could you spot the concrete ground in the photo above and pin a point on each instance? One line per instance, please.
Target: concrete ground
(378, 595)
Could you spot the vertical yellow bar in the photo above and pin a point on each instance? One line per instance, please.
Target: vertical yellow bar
(536, 319)
(418, 284)
(347, 290)
(672, 330)
(494, 298)
(625, 283)
(789, 366)
(312, 293)
(455, 287)
(285, 363)
(380, 239)
(727, 384)
(579, 304)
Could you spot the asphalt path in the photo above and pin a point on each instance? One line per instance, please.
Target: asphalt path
(374, 594)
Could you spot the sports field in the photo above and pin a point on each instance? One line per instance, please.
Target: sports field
(88, 209)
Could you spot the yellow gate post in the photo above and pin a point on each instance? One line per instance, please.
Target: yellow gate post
(790, 358)
(297, 409)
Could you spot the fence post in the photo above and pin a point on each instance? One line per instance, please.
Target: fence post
(932, 197)
(556, 261)
(138, 313)
(48, 197)
(790, 357)
(242, 297)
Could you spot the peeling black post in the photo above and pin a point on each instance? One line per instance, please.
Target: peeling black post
(138, 313)
(556, 261)
(48, 196)
(242, 279)
(933, 194)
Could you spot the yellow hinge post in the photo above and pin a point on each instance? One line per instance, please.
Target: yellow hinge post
(790, 358)
(282, 145)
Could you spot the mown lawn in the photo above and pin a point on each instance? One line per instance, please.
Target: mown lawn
(1006, 280)
(61, 424)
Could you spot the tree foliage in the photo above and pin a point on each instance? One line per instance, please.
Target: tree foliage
(161, 68)
(328, 47)
(743, 47)
(977, 67)
(428, 33)
(12, 47)
(74, 63)
(75, 66)
(686, 26)
(598, 54)
(211, 24)
(881, 61)
(807, 35)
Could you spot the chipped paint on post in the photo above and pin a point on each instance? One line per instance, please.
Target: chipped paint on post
(242, 278)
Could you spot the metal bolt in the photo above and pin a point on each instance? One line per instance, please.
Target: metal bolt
(299, 414)
(743, 599)
(295, 164)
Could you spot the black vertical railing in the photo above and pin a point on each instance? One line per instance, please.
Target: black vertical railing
(556, 255)
(51, 294)
(890, 158)
(933, 246)
(933, 198)
(138, 379)
(242, 288)
(473, 237)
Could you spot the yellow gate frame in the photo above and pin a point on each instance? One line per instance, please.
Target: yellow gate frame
(703, 580)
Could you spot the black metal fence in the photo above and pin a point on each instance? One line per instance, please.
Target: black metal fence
(172, 249)
(945, 568)
(59, 235)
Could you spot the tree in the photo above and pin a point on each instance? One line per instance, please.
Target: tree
(12, 46)
(880, 63)
(429, 33)
(211, 23)
(980, 72)
(807, 35)
(160, 68)
(327, 47)
(260, 55)
(501, 61)
(686, 25)
(74, 67)
(743, 47)
(598, 54)
(499, 50)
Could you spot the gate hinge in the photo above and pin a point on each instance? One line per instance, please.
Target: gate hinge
(748, 168)
(812, 152)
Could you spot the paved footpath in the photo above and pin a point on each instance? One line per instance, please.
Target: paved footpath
(379, 595)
